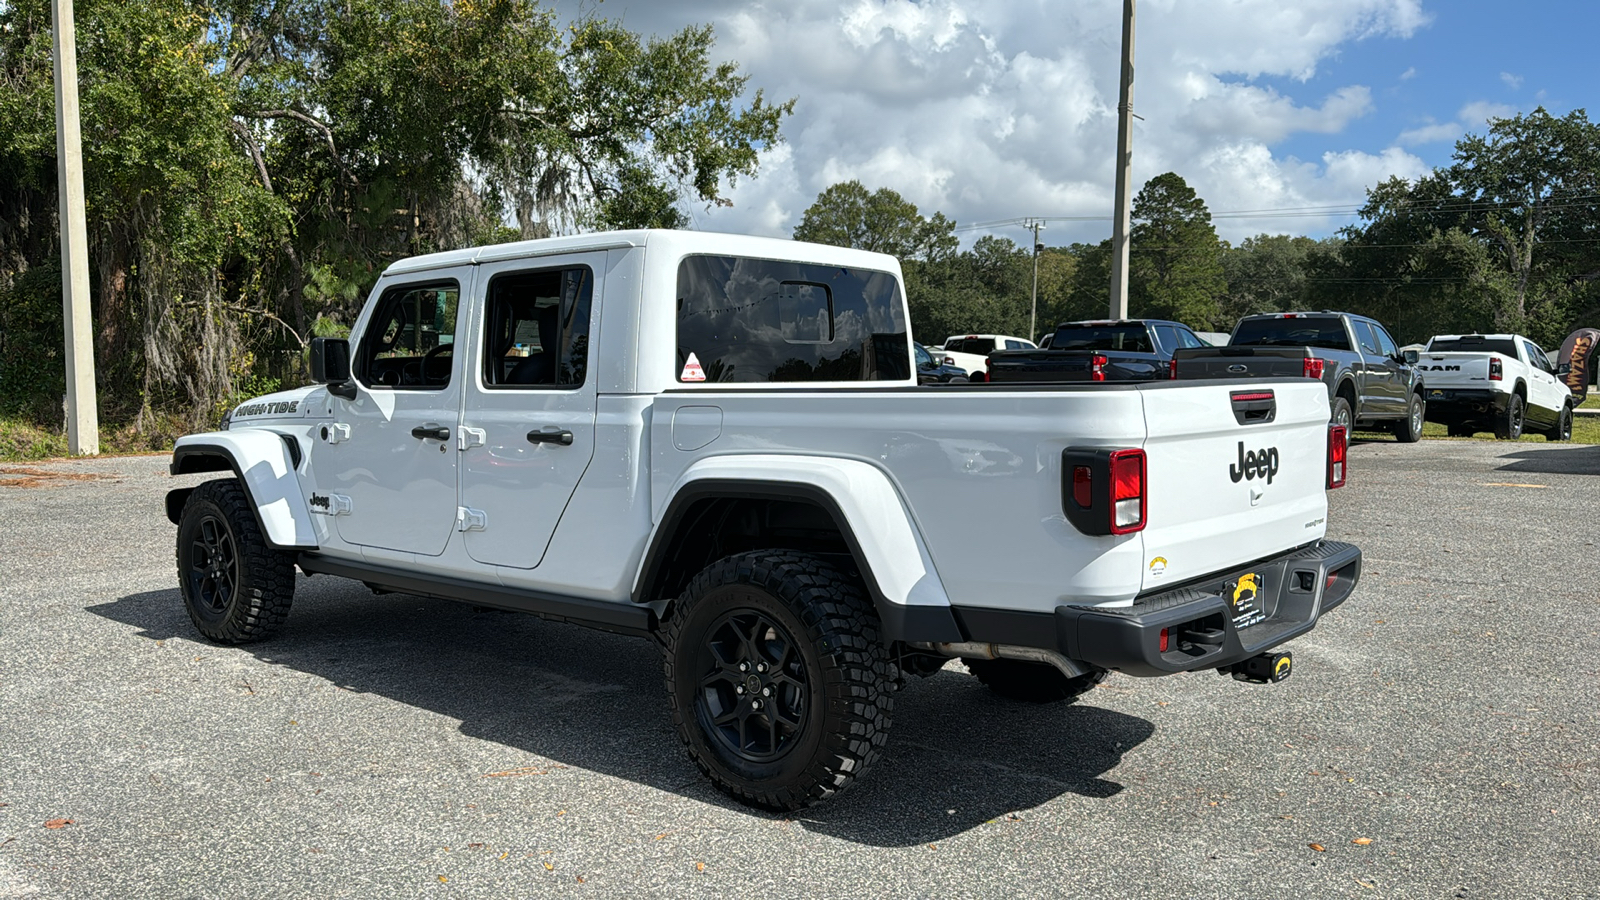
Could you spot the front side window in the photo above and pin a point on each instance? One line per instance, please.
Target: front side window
(537, 329)
(1369, 344)
(767, 321)
(1536, 356)
(410, 338)
(1385, 343)
(1188, 339)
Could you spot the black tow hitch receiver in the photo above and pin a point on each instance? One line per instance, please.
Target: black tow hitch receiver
(1268, 668)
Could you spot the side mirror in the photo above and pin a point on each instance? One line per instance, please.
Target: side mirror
(1411, 357)
(1564, 368)
(330, 365)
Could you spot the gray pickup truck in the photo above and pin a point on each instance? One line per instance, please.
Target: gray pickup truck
(1369, 381)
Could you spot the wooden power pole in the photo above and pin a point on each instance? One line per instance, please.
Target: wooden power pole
(1122, 218)
(83, 421)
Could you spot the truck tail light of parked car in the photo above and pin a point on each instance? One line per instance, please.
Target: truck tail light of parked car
(1338, 443)
(1172, 369)
(1127, 491)
(1313, 368)
(1104, 490)
(1097, 368)
(1496, 369)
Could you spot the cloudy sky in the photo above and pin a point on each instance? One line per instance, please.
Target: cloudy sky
(991, 110)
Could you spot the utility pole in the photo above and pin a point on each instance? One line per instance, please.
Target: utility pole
(83, 421)
(1033, 318)
(1121, 220)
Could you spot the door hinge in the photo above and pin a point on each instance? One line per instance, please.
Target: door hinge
(330, 504)
(334, 433)
(468, 519)
(467, 438)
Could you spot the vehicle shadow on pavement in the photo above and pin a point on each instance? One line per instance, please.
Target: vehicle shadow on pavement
(958, 756)
(1584, 460)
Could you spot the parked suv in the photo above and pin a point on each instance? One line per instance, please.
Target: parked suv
(719, 442)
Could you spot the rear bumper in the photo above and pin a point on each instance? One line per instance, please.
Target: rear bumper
(1205, 628)
(1464, 403)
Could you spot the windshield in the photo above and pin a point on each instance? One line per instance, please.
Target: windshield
(1127, 338)
(1326, 332)
(1474, 345)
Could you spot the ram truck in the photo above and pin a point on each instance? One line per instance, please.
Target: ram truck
(1494, 382)
(720, 443)
(1105, 350)
(1370, 382)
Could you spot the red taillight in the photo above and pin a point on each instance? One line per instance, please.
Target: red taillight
(1336, 455)
(1163, 640)
(1496, 373)
(1312, 368)
(1127, 491)
(1082, 486)
(1172, 368)
(1097, 368)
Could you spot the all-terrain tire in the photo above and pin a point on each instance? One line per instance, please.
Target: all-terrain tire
(1509, 426)
(1031, 682)
(1409, 429)
(235, 587)
(1563, 428)
(778, 679)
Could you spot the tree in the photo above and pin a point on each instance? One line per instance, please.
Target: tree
(1265, 273)
(1175, 266)
(1529, 176)
(847, 215)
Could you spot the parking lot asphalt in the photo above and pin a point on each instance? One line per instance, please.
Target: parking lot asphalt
(1438, 738)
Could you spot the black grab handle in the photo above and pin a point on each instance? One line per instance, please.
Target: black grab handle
(430, 430)
(563, 437)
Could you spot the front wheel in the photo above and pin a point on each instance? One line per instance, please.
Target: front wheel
(236, 588)
(778, 679)
(1563, 429)
(1509, 428)
(1409, 429)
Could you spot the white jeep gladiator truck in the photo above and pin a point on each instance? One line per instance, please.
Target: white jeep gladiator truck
(720, 442)
(1497, 382)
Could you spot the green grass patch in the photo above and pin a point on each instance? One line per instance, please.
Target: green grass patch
(22, 441)
(1593, 402)
(1585, 430)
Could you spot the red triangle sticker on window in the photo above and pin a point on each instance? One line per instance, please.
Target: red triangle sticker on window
(692, 371)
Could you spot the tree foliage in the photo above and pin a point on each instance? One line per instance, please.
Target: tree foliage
(251, 165)
(1175, 260)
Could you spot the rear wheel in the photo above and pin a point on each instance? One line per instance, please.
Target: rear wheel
(1509, 427)
(778, 679)
(1342, 414)
(1031, 682)
(1409, 429)
(235, 587)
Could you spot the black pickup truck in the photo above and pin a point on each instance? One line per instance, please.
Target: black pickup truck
(1369, 381)
(1106, 350)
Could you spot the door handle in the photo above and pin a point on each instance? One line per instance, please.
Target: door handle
(431, 431)
(562, 437)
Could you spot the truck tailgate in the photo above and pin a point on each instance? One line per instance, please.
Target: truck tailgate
(1241, 362)
(1455, 370)
(1229, 487)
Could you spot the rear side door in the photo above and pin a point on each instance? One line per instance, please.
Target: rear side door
(528, 420)
(1378, 380)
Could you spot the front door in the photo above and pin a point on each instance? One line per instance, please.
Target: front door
(529, 419)
(391, 451)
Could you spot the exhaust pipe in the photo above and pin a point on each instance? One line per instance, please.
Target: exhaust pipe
(1067, 667)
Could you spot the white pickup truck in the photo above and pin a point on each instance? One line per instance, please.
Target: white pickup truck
(720, 442)
(971, 351)
(1494, 382)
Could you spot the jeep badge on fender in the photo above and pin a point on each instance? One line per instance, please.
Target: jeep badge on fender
(1255, 464)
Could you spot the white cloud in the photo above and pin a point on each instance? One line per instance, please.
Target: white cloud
(1408, 74)
(1472, 117)
(987, 111)
(1512, 81)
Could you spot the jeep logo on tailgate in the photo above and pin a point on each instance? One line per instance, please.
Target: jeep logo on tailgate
(1261, 463)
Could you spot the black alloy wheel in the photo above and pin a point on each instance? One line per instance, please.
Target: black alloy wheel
(213, 565)
(753, 690)
(1510, 425)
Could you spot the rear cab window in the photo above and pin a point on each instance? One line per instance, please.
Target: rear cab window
(1503, 346)
(1325, 332)
(1126, 338)
(758, 321)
